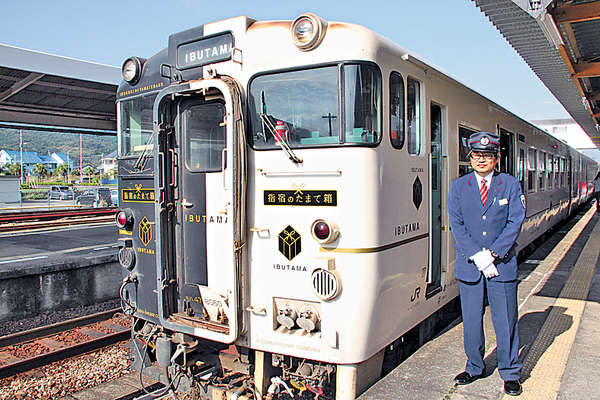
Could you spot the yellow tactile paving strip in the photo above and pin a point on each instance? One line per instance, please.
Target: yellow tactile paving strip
(545, 363)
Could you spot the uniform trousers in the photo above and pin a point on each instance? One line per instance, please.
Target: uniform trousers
(502, 298)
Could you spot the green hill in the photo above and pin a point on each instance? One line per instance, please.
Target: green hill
(93, 147)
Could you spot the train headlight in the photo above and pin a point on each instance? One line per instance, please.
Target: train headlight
(308, 31)
(324, 231)
(132, 70)
(124, 219)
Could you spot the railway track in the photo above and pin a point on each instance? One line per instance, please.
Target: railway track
(27, 350)
(16, 221)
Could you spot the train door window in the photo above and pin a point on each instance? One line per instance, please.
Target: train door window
(550, 170)
(205, 136)
(436, 174)
(531, 169)
(414, 116)
(507, 152)
(542, 172)
(464, 164)
(397, 110)
(522, 168)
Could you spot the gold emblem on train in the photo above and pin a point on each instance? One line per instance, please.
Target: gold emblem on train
(290, 242)
(145, 231)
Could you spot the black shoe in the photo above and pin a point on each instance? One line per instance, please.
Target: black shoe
(464, 378)
(513, 388)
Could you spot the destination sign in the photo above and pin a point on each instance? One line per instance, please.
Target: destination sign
(138, 195)
(205, 51)
(300, 197)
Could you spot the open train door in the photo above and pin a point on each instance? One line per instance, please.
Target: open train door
(201, 209)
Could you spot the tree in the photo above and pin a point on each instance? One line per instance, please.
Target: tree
(62, 170)
(89, 171)
(40, 169)
(14, 169)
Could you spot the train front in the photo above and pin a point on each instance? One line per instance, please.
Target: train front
(248, 185)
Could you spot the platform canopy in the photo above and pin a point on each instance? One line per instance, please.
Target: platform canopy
(560, 41)
(40, 91)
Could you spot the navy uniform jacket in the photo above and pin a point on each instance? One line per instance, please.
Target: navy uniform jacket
(494, 226)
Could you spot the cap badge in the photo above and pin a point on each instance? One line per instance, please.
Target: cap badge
(485, 141)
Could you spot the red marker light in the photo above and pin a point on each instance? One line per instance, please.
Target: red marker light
(121, 219)
(321, 230)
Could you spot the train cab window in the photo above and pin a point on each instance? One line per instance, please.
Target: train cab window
(204, 136)
(414, 116)
(135, 125)
(362, 101)
(531, 169)
(397, 110)
(542, 172)
(464, 164)
(550, 170)
(306, 104)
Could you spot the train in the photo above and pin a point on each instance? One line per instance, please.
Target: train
(283, 202)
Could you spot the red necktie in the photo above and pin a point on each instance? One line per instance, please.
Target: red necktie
(483, 191)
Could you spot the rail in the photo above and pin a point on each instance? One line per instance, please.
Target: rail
(62, 352)
(49, 219)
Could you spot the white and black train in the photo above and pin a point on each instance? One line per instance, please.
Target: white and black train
(283, 190)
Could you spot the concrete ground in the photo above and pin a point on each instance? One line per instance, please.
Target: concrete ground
(559, 299)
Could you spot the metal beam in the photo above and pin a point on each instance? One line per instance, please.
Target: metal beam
(576, 13)
(20, 85)
(59, 129)
(42, 117)
(586, 70)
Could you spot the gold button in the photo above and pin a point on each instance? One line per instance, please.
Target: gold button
(484, 217)
(484, 233)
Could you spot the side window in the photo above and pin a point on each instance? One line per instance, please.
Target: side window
(550, 170)
(414, 116)
(556, 172)
(542, 173)
(464, 164)
(397, 110)
(531, 168)
(522, 168)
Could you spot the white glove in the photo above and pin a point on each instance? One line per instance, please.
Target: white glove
(490, 271)
(483, 259)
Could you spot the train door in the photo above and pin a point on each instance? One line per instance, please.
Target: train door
(507, 151)
(204, 184)
(436, 180)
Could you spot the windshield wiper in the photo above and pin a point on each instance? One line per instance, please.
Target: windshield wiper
(140, 163)
(279, 140)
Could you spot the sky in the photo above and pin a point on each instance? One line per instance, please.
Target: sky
(451, 34)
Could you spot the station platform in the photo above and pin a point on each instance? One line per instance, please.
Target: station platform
(559, 327)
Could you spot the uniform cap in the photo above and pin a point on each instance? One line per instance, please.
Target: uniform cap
(484, 141)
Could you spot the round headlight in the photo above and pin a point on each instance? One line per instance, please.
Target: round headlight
(132, 70)
(307, 31)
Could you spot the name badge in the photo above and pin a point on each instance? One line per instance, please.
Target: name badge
(503, 202)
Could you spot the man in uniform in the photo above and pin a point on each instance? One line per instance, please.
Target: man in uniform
(486, 211)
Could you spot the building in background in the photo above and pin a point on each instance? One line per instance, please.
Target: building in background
(571, 133)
